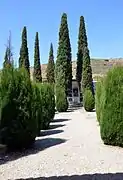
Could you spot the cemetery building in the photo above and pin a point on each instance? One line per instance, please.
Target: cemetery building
(99, 68)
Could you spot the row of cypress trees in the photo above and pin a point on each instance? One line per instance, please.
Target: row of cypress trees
(61, 72)
(63, 68)
(24, 58)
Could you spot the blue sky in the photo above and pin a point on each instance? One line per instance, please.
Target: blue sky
(104, 24)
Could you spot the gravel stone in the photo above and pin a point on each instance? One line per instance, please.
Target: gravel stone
(73, 147)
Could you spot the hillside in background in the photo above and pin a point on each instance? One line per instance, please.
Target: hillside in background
(99, 67)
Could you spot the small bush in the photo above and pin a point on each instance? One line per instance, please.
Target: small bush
(18, 127)
(89, 101)
(61, 100)
(98, 98)
(48, 104)
(111, 119)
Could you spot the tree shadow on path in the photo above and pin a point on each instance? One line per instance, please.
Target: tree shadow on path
(109, 176)
(39, 145)
(60, 120)
(54, 126)
(50, 132)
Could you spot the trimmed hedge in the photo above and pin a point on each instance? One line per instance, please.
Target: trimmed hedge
(99, 98)
(61, 100)
(37, 107)
(88, 100)
(111, 119)
(25, 108)
(18, 127)
(48, 103)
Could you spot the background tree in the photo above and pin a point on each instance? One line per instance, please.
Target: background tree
(24, 56)
(82, 43)
(51, 67)
(63, 68)
(64, 55)
(61, 97)
(8, 58)
(37, 67)
(87, 81)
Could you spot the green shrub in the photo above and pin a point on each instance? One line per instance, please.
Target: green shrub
(98, 98)
(88, 100)
(48, 104)
(111, 119)
(18, 127)
(61, 100)
(37, 107)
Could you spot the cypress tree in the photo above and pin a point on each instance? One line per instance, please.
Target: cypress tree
(64, 56)
(87, 81)
(82, 43)
(24, 56)
(37, 67)
(8, 58)
(50, 66)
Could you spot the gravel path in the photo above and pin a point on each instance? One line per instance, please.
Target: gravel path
(72, 147)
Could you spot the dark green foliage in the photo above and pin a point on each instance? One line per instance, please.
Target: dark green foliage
(37, 67)
(24, 56)
(82, 43)
(64, 56)
(61, 100)
(89, 101)
(18, 127)
(87, 81)
(111, 119)
(61, 97)
(6, 62)
(98, 97)
(60, 74)
(48, 104)
(51, 67)
(37, 107)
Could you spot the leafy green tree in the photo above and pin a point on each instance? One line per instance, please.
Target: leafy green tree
(24, 56)
(37, 67)
(51, 67)
(82, 43)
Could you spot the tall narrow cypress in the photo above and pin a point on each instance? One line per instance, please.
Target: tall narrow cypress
(37, 67)
(63, 68)
(8, 58)
(24, 56)
(82, 43)
(6, 62)
(50, 66)
(87, 81)
(64, 55)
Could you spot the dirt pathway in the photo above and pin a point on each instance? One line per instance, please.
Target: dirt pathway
(71, 147)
